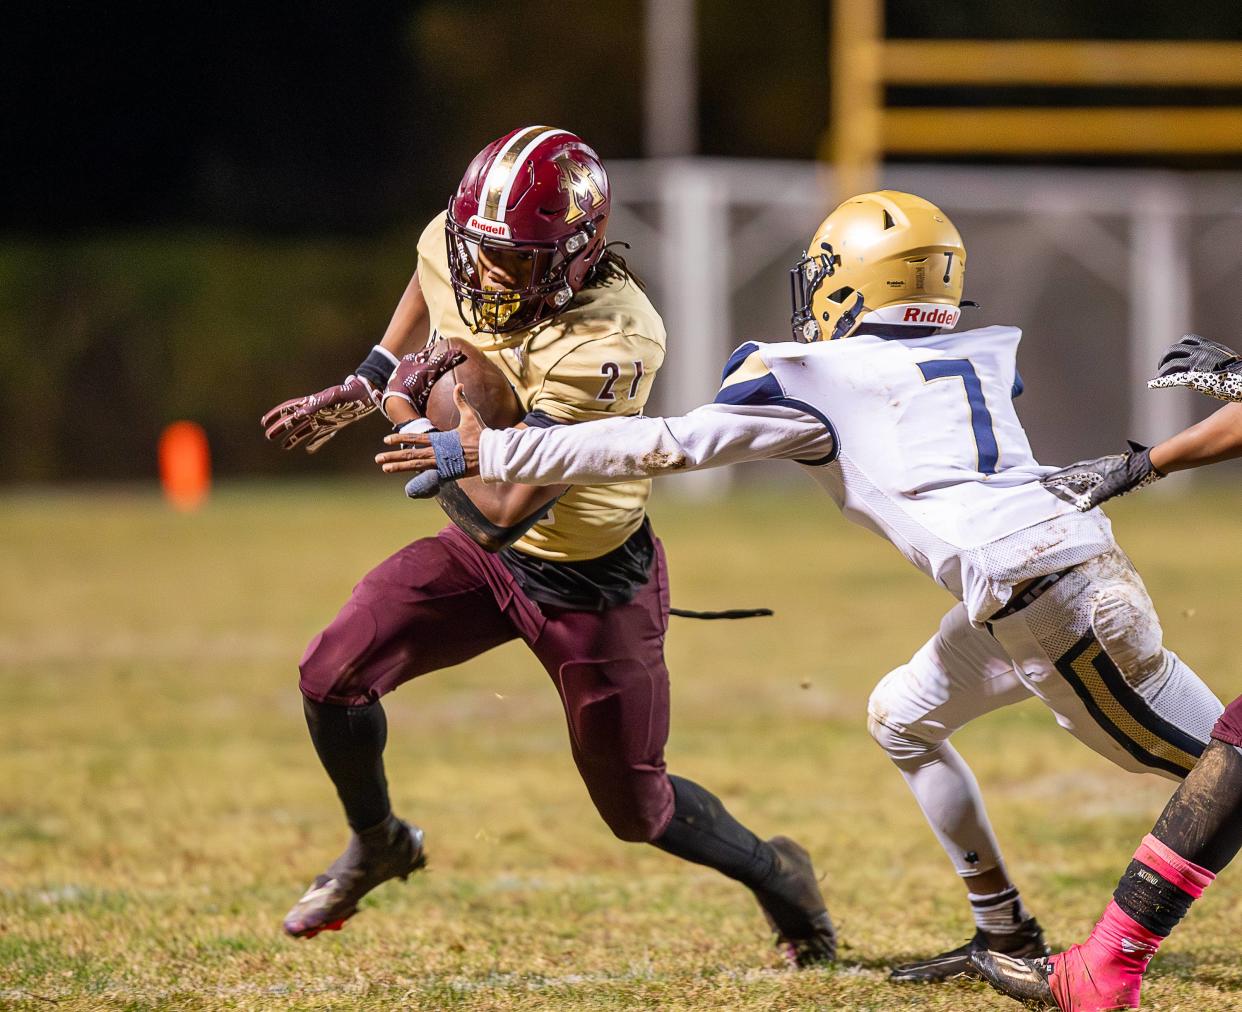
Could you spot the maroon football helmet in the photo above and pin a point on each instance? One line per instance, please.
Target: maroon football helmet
(525, 227)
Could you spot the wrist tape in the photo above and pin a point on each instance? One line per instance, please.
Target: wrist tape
(450, 458)
(450, 465)
(377, 367)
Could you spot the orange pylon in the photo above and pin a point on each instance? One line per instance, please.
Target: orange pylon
(185, 465)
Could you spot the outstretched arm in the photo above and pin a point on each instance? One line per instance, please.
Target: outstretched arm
(622, 449)
(1195, 362)
(1218, 437)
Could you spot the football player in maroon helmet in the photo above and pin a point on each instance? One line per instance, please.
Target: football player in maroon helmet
(518, 268)
(525, 229)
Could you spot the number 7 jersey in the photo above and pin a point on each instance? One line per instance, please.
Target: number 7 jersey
(929, 453)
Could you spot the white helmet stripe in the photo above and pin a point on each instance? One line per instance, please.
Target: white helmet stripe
(503, 172)
(500, 168)
(519, 161)
(502, 165)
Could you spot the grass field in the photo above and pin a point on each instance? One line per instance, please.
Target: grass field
(161, 807)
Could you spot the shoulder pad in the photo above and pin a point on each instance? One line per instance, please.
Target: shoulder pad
(431, 239)
(740, 355)
(747, 379)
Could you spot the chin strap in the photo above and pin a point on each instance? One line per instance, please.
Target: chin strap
(845, 322)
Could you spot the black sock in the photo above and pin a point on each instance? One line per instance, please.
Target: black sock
(350, 742)
(703, 831)
(1203, 820)
(1151, 899)
(1202, 823)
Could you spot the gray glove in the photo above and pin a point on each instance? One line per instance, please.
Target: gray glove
(1089, 483)
(1207, 366)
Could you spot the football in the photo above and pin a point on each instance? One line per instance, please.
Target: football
(486, 388)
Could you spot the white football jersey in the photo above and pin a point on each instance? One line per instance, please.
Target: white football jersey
(914, 438)
(929, 453)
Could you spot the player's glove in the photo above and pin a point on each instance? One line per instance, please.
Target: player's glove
(1203, 365)
(1089, 483)
(314, 419)
(416, 374)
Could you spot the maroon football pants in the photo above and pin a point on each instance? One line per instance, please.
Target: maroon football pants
(1229, 725)
(442, 600)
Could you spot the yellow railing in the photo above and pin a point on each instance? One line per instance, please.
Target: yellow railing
(863, 129)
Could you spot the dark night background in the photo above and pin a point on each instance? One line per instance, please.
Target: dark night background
(208, 207)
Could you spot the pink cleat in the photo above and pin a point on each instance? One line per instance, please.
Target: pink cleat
(1103, 974)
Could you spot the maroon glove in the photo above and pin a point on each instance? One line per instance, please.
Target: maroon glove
(416, 374)
(315, 419)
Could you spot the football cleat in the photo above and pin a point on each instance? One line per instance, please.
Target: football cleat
(393, 849)
(1071, 981)
(1026, 941)
(795, 909)
(1024, 980)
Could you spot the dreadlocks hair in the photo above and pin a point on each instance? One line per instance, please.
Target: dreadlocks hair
(612, 266)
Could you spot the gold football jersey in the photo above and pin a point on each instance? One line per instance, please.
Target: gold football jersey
(595, 359)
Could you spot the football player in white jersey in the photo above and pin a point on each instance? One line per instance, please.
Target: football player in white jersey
(910, 428)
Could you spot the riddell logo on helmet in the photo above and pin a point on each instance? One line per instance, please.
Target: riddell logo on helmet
(488, 227)
(940, 316)
(917, 314)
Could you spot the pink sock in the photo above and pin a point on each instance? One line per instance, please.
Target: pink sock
(1189, 877)
(1106, 971)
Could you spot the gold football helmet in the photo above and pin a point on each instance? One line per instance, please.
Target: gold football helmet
(887, 257)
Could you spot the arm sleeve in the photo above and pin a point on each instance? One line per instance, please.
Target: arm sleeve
(623, 449)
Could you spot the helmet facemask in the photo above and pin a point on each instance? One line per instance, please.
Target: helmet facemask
(806, 277)
(501, 285)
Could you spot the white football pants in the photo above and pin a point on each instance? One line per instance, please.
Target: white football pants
(1090, 647)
